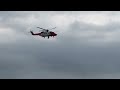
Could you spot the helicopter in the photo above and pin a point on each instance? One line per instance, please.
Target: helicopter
(45, 33)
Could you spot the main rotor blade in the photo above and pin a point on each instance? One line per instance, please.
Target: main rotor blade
(41, 28)
(53, 28)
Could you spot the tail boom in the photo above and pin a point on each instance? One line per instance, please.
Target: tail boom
(34, 33)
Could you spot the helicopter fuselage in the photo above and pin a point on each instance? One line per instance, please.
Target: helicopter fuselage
(45, 34)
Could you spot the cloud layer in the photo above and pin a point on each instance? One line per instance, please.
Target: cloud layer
(87, 45)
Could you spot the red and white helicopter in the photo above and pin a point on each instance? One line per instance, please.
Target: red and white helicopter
(45, 33)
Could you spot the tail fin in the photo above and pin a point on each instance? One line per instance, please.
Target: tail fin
(32, 32)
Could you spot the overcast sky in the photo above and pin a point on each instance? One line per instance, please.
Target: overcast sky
(87, 45)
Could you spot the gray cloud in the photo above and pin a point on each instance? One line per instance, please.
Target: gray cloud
(81, 49)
